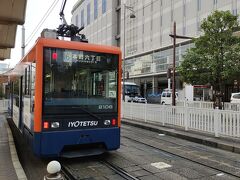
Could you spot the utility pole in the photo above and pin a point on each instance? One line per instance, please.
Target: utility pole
(23, 41)
(124, 45)
(174, 64)
(175, 36)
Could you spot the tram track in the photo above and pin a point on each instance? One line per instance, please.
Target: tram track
(119, 171)
(196, 147)
(203, 162)
(168, 146)
(72, 174)
(68, 175)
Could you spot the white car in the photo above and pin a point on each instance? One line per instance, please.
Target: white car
(139, 99)
(235, 97)
(166, 97)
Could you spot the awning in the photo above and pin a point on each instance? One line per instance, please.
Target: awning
(5, 53)
(12, 13)
(7, 35)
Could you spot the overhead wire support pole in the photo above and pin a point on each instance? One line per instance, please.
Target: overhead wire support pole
(123, 74)
(23, 41)
(175, 36)
(124, 46)
(174, 66)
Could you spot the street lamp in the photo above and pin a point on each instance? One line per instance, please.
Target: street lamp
(132, 15)
(174, 36)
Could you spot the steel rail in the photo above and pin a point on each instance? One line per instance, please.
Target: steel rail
(67, 174)
(119, 170)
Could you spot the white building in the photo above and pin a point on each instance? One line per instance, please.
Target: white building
(148, 49)
(99, 18)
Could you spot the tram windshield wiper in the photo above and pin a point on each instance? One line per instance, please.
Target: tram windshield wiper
(90, 113)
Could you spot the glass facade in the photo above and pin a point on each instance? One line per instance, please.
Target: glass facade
(104, 6)
(76, 22)
(155, 62)
(88, 14)
(82, 18)
(95, 9)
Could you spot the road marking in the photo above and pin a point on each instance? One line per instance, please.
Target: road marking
(220, 174)
(161, 165)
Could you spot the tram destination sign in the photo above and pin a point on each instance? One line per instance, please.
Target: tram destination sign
(72, 56)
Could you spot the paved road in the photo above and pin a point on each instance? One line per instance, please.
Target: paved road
(146, 155)
(188, 160)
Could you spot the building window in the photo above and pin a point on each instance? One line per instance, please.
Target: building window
(172, 11)
(184, 8)
(184, 30)
(95, 9)
(198, 5)
(76, 20)
(161, 20)
(198, 26)
(118, 22)
(82, 18)
(88, 13)
(104, 6)
(234, 12)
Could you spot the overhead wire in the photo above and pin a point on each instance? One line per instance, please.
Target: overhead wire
(52, 6)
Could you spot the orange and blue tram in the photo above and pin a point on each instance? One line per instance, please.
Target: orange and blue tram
(65, 98)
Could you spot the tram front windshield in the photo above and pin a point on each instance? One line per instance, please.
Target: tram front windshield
(79, 81)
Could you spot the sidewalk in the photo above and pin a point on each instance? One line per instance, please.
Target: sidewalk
(10, 167)
(227, 144)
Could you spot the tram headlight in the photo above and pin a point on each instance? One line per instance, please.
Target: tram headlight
(55, 125)
(107, 122)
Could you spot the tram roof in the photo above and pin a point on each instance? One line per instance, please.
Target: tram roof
(74, 45)
(47, 42)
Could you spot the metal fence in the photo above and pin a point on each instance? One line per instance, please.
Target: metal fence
(208, 105)
(217, 122)
(4, 105)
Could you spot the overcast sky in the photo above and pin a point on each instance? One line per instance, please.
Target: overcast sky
(34, 13)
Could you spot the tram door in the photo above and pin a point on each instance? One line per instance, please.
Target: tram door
(20, 124)
(16, 101)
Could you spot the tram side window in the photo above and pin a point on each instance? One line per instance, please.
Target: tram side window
(16, 93)
(27, 81)
(32, 86)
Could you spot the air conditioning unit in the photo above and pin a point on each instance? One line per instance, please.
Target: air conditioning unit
(49, 33)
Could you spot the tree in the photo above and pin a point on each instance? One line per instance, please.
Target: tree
(215, 59)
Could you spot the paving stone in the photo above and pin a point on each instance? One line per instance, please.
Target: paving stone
(214, 177)
(140, 173)
(7, 170)
(168, 175)
(115, 177)
(188, 173)
(132, 168)
(150, 177)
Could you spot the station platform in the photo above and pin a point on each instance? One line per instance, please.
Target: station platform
(224, 143)
(10, 167)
